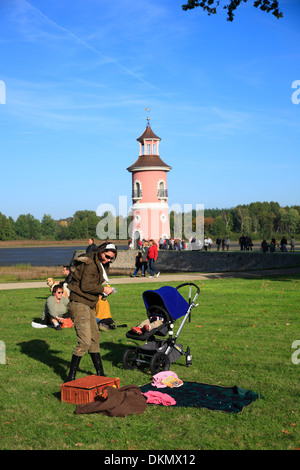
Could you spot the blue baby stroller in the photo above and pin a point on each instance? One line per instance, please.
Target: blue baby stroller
(169, 303)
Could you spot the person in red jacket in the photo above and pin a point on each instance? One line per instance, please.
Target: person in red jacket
(151, 258)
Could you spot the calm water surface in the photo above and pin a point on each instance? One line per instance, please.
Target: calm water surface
(39, 256)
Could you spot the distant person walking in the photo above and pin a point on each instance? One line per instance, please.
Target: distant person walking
(138, 264)
(151, 258)
(205, 243)
(292, 243)
(272, 245)
(227, 243)
(242, 242)
(283, 244)
(145, 250)
(249, 243)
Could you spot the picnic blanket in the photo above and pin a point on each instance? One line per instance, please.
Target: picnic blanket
(66, 323)
(200, 395)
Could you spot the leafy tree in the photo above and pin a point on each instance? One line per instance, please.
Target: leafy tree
(75, 230)
(28, 227)
(266, 220)
(11, 233)
(208, 222)
(293, 220)
(62, 231)
(219, 227)
(7, 231)
(243, 219)
(48, 227)
(84, 229)
(81, 215)
(91, 221)
(297, 209)
(84, 224)
(283, 221)
(227, 217)
(210, 6)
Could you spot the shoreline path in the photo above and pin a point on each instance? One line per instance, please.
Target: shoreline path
(177, 277)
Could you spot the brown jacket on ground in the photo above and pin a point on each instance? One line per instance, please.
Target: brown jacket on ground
(121, 402)
(87, 279)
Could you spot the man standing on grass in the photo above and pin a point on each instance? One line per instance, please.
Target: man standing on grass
(86, 288)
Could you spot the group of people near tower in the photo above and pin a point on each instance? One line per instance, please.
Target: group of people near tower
(265, 246)
(145, 259)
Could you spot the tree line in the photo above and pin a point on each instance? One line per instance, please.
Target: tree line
(258, 219)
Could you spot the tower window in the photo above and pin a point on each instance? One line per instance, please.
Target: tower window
(148, 149)
(154, 148)
(162, 192)
(137, 190)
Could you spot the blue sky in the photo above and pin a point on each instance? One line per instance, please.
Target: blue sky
(78, 76)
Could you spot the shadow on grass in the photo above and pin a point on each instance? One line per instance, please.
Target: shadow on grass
(113, 352)
(39, 350)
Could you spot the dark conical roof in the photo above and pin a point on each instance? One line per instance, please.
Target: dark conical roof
(149, 162)
(148, 134)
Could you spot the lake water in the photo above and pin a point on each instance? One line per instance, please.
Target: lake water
(39, 256)
(56, 255)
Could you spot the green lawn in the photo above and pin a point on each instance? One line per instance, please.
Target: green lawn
(240, 334)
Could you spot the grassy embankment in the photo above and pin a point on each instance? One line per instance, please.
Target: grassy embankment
(241, 334)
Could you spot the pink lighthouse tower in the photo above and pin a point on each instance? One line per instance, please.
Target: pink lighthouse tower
(150, 216)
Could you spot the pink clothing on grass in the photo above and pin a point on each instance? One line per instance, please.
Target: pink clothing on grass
(161, 376)
(159, 398)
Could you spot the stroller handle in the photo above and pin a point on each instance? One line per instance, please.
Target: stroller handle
(188, 284)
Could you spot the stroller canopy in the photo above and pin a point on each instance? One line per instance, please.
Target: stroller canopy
(169, 298)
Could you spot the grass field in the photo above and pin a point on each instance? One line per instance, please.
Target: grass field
(240, 334)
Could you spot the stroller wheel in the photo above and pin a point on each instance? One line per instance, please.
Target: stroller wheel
(159, 362)
(130, 359)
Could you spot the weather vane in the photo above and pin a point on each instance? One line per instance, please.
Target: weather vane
(148, 118)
